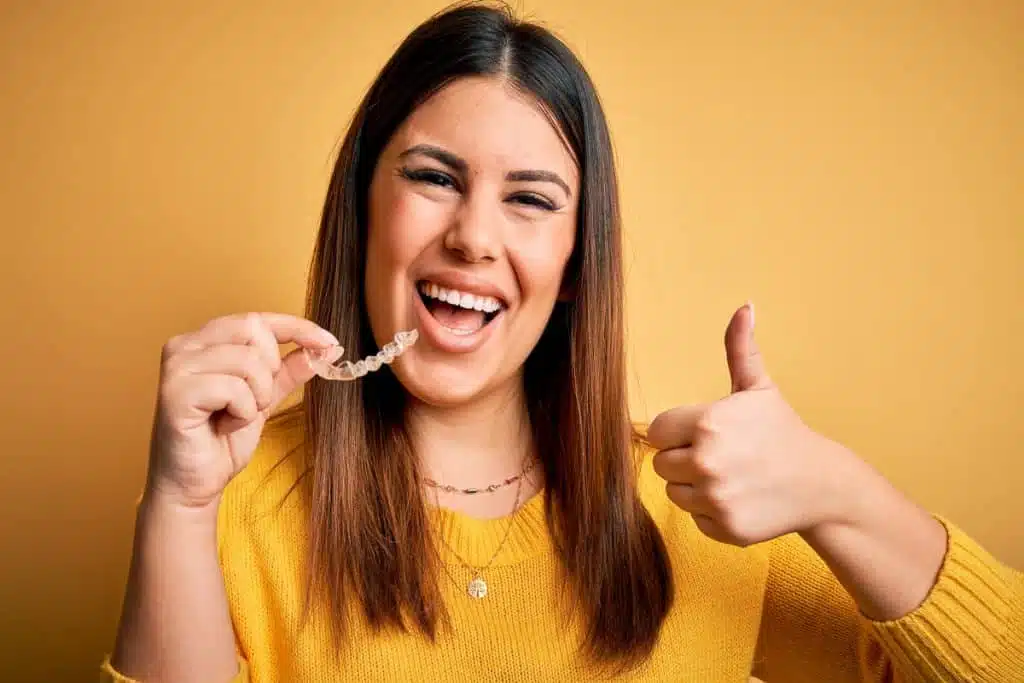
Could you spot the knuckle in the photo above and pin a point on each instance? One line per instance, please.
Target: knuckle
(705, 466)
(727, 520)
(173, 346)
(733, 524)
(709, 420)
(239, 389)
(214, 323)
(247, 407)
(717, 498)
(262, 375)
(252, 360)
(742, 541)
(172, 367)
(253, 324)
(174, 362)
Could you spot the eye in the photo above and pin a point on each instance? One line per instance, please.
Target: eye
(429, 176)
(534, 200)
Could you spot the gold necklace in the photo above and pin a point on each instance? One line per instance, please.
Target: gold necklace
(477, 587)
(490, 488)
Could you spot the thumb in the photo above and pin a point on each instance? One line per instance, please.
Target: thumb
(296, 371)
(746, 367)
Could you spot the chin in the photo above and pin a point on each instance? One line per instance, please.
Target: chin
(440, 383)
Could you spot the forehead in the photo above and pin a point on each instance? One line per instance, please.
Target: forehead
(488, 122)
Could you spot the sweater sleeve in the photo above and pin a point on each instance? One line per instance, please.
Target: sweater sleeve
(970, 627)
(109, 675)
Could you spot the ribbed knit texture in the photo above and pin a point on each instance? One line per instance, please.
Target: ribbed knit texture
(773, 609)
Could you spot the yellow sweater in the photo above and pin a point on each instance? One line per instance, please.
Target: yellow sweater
(773, 609)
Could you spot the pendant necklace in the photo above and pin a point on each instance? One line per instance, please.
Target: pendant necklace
(477, 587)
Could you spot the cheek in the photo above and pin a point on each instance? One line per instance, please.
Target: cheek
(541, 260)
(402, 224)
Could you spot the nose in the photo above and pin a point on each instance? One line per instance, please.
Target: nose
(475, 232)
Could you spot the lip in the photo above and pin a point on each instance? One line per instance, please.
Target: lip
(463, 282)
(439, 337)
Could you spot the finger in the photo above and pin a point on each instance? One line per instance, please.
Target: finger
(676, 465)
(746, 366)
(245, 328)
(675, 428)
(289, 328)
(687, 497)
(246, 362)
(295, 371)
(690, 499)
(210, 393)
(264, 341)
(711, 528)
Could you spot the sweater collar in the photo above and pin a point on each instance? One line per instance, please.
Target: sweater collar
(474, 540)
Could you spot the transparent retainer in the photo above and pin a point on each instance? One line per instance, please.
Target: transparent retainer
(323, 360)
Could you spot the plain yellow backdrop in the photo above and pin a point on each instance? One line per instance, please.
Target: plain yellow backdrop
(856, 170)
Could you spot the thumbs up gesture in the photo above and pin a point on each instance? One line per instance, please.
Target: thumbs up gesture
(746, 467)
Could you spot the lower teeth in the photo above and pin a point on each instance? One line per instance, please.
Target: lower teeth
(459, 332)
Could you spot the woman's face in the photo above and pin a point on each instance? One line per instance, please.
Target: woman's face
(472, 219)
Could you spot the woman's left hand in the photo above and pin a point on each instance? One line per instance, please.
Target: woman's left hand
(746, 467)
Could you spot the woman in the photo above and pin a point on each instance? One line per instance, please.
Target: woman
(483, 508)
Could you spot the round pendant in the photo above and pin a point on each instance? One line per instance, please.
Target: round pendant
(477, 588)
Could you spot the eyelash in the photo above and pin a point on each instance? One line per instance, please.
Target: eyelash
(439, 179)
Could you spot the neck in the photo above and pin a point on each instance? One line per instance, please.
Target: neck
(472, 446)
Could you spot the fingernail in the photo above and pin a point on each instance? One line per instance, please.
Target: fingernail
(330, 338)
(750, 305)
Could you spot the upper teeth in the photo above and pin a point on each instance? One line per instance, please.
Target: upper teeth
(487, 304)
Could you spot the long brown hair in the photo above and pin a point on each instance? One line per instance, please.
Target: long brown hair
(370, 538)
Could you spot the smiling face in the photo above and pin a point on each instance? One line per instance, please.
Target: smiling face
(472, 219)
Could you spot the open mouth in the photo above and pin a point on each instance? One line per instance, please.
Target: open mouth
(460, 313)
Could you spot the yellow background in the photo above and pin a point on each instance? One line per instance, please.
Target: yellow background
(855, 171)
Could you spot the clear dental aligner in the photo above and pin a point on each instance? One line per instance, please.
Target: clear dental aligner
(322, 360)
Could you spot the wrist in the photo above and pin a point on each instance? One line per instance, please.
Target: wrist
(849, 486)
(884, 549)
(167, 507)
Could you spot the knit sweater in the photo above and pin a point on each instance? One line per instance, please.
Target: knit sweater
(772, 609)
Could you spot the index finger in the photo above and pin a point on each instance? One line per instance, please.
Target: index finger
(244, 328)
(675, 428)
(289, 328)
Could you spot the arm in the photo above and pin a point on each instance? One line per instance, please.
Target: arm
(175, 624)
(886, 593)
(217, 386)
(880, 598)
(884, 549)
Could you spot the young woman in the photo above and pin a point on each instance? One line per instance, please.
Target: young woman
(482, 509)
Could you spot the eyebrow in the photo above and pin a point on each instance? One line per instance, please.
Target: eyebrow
(539, 176)
(458, 164)
(434, 152)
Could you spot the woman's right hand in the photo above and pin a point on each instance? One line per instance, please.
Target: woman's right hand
(217, 387)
